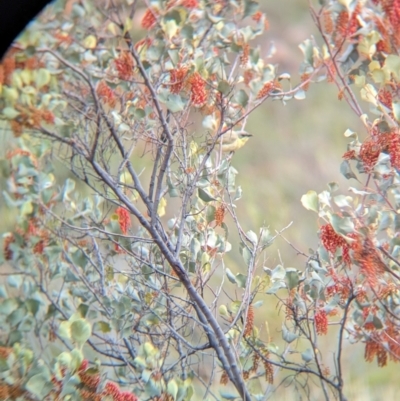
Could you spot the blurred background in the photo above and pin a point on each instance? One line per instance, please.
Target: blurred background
(294, 148)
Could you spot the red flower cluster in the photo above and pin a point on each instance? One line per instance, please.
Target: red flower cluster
(321, 322)
(177, 79)
(327, 21)
(114, 391)
(386, 98)
(390, 142)
(190, 3)
(330, 239)
(198, 90)
(244, 58)
(124, 65)
(105, 93)
(267, 89)
(342, 23)
(372, 349)
(149, 18)
(250, 322)
(369, 154)
(124, 219)
(219, 217)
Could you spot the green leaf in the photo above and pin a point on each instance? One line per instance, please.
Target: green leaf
(43, 77)
(307, 355)
(342, 225)
(228, 395)
(241, 280)
(250, 7)
(15, 280)
(288, 336)
(83, 310)
(76, 358)
(8, 306)
(104, 327)
(247, 256)
(346, 170)
(310, 201)
(39, 385)
(80, 331)
(224, 87)
(292, 277)
(279, 273)
(242, 98)
(139, 113)
(64, 329)
(396, 111)
(172, 388)
(392, 65)
(300, 94)
(9, 113)
(205, 196)
(175, 103)
(231, 276)
(275, 287)
(223, 310)
(252, 236)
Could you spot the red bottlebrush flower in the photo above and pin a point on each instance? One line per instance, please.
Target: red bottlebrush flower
(349, 155)
(198, 90)
(177, 79)
(149, 18)
(91, 381)
(327, 22)
(244, 58)
(391, 143)
(112, 389)
(321, 322)
(105, 93)
(124, 65)
(330, 239)
(219, 219)
(9, 66)
(342, 23)
(124, 219)
(32, 63)
(128, 396)
(47, 116)
(256, 361)
(143, 42)
(385, 97)
(267, 89)
(84, 365)
(353, 23)
(393, 341)
(372, 349)
(392, 11)
(190, 3)
(250, 322)
(269, 370)
(369, 154)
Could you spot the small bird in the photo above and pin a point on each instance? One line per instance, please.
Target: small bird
(231, 141)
